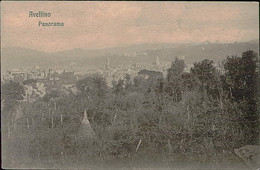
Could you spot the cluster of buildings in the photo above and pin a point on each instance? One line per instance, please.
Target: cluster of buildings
(37, 82)
(116, 73)
(49, 79)
(19, 74)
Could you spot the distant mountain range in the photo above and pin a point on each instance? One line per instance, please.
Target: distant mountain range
(16, 57)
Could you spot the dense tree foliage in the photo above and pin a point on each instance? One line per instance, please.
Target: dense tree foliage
(241, 84)
(197, 116)
(11, 92)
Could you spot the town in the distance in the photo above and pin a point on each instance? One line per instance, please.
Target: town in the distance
(39, 80)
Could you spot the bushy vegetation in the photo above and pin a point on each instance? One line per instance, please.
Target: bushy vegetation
(187, 117)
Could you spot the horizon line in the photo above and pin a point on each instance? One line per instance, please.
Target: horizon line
(86, 49)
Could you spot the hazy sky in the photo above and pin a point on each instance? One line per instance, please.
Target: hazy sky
(107, 24)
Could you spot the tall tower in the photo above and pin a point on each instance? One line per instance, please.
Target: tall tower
(107, 63)
(157, 61)
(50, 72)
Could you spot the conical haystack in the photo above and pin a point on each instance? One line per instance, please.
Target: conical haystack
(85, 130)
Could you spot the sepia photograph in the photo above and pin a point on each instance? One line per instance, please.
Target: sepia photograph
(130, 85)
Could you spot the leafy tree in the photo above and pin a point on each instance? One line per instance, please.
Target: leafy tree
(233, 82)
(207, 74)
(240, 82)
(176, 69)
(150, 73)
(11, 92)
(29, 81)
(249, 61)
(174, 80)
(94, 85)
(54, 93)
(139, 84)
(189, 82)
(128, 83)
(119, 88)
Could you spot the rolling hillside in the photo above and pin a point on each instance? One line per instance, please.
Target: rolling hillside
(15, 57)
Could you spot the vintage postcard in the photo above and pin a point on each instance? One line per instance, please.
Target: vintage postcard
(129, 85)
